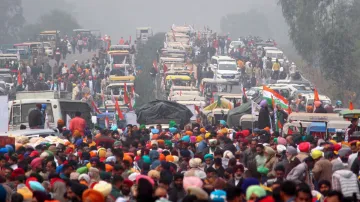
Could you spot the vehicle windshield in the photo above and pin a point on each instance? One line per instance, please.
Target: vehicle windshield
(6, 79)
(120, 59)
(275, 55)
(227, 66)
(117, 90)
(47, 37)
(300, 87)
(26, 109)
(324, 102)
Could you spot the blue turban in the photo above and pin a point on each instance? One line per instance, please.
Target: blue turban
(78, 142)
(10, 148)
(186, 138)
(154, 131)
(218, 196)
(36, 186)
(223, 122)
(208, 156)
(4, 150)
(172, 130)
(114, 127)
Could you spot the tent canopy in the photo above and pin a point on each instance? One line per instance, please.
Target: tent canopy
(224, 104)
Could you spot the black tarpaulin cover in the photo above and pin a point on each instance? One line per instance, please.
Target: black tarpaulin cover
(162, 110)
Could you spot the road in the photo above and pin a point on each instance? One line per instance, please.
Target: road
(70, 58)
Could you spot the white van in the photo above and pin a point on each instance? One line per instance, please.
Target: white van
(309, 99)
(225, 67)
(275, 54)
(56, 109)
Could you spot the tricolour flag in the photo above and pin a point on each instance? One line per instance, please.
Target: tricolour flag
(268, 93)
(118, 110)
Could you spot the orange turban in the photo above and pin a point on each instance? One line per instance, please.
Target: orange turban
(108, 168)
(309, 109)
(93, 154)
(161, 142)
(162, 157)
(60, 122)
(169, 158)
(189, 133)
(77, 133)
(127, 158)
(155, 136)
(202, 130)
(93, 195)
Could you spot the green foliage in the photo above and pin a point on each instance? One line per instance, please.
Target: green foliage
(146, 54)
(325, 34)
(243, 24)
(54, 20)
(11, 20)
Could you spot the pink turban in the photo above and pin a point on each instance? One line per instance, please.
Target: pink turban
(192, 139)
(146, 178)
(281, 141)
(36, 162)
(192, 181)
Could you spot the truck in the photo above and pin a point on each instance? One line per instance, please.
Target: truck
(143, 34)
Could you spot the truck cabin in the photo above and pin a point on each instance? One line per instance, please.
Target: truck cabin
(82, 32)
(216, 85)
(9, 61)
(119, 57)
(117, 90)
(119, 48)
(50, 36)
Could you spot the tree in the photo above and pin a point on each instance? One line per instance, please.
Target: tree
(325, 34)
(146, 54)
(11, 20)
(54, 20)
(244, 24)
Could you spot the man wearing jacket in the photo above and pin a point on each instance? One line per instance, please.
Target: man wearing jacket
(302, 172)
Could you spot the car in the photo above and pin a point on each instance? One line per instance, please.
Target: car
(235, 44)
(225, 67)
(48, 49)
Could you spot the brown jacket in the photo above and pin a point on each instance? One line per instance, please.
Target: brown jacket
(322, 170)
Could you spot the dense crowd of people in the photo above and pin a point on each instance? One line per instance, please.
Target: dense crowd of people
(179, 163)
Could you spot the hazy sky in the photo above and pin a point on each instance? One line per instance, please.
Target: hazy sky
(121, 17)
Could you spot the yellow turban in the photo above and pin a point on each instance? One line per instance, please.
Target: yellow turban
(316, 154)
